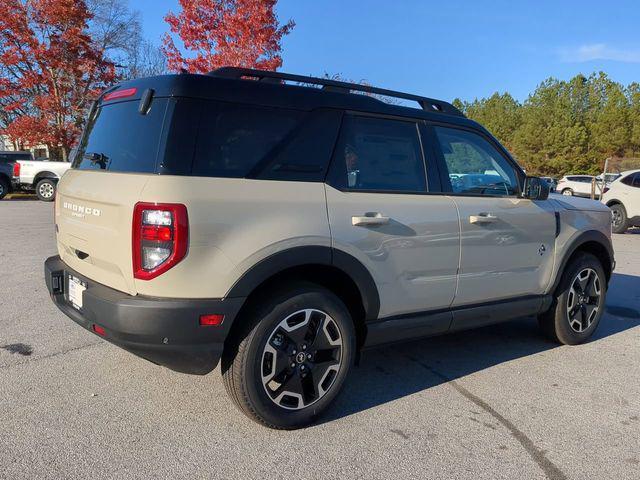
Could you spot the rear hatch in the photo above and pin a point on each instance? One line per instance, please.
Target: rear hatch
(117, 155)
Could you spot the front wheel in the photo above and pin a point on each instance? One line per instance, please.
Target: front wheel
(579, 302)
(46, 190)
(291, 359)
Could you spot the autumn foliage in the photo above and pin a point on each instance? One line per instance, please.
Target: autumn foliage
(242, 33)
(50, 71)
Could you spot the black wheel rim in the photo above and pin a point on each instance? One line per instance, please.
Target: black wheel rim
(301, 359)
(583, 302)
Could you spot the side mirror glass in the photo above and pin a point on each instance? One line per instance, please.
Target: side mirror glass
(535, 188)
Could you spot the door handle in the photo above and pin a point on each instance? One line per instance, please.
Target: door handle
(369, 218)
(483, 218)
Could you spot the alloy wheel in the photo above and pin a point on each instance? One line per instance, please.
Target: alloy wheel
(301, 359)
(616, 218)
(584, 300)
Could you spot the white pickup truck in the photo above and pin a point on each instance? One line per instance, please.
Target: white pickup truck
(41, 175)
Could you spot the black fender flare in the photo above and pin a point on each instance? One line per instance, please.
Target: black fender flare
(576, 243)
(309, 256)
(46, 174)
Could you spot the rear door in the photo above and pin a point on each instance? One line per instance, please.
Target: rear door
(631, 197)
(381, 212)
(507, 242)
(94, 206)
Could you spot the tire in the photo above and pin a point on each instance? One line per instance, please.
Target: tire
(583, 278)
(4, 188)
(270, 383)
(568, 192)
(46, 190)
(619, 220)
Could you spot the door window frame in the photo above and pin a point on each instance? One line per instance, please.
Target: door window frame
(444, 170)
(433, 185)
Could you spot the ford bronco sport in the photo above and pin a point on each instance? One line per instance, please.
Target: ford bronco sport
(280, 224)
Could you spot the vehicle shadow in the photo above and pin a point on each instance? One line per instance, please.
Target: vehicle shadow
(393, 372)
(19, 197)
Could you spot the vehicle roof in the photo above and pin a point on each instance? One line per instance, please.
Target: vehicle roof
(629, 172)
(273, 94)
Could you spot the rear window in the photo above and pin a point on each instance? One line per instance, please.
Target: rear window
(12, 157)
(119, 139)
(185, 136)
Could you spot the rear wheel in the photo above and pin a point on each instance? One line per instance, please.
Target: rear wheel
(46, 190)
(619, 221)
(292, 358)
(568, 192)
(579, 302)
(4, 188)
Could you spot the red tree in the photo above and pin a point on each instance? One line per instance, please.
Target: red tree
(49, 71)
(241, 33)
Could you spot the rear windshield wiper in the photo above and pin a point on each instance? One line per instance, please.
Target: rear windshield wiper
(97, 158)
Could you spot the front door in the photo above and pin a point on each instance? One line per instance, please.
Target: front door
(507, 242)
(381, 212)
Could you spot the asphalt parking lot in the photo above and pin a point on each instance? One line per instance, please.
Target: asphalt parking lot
(498, 402)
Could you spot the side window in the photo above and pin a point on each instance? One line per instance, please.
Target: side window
(636, 180)
(233, 138)
(378, 154)
(474, 166)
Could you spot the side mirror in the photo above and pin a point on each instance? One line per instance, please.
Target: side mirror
(535, 188)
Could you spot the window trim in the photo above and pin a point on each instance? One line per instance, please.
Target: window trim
(447, 189)
(331, 180)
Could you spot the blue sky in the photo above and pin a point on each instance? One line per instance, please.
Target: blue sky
(449, 49)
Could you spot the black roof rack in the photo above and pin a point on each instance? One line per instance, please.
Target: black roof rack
(426, 103)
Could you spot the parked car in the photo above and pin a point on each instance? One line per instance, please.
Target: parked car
(609, 178)
(623, 198)
(10, 171)
(41, 176)
(281, 229)
(552, 182)
(578, 185)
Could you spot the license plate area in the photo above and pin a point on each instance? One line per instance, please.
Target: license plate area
(75, 290)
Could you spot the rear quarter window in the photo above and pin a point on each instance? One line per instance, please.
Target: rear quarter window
(233, 139)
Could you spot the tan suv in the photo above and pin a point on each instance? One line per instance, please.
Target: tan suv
(283, 223)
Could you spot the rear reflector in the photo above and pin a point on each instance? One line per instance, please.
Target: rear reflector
(99, 330)
(211, 320)
(154, 232)
(125, 92)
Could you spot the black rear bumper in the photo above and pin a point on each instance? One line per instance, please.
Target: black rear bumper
(164, 331)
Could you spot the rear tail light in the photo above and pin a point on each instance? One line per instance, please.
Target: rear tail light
(160, 238)
(16, 169)
(606, 189)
